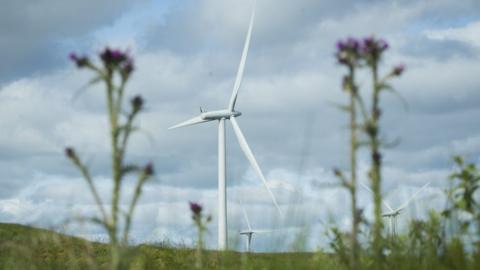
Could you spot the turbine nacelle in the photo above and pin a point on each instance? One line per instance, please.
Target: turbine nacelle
(391, 214)
(217, 115)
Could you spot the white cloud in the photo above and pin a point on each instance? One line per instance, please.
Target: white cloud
(469, 34)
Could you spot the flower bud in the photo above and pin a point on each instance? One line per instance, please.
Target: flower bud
(79, 61)
(398, 70)
(137, 103)
(337, 172)
(70, 152)
(149, 169)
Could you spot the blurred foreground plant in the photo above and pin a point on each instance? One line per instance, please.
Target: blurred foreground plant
(114, 72)
(464, 201)
(357, 54)
(348, 55)
(201, 224)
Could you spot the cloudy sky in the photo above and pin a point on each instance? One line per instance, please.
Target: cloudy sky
(186, 55)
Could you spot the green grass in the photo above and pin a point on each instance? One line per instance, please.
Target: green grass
(23, 247)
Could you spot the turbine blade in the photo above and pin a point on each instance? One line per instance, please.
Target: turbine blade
(246, 218)
(189, 122)
(261, 231)
(241, 67)
(405, 204)
(255, 231)
(383, 201)
(248, 153)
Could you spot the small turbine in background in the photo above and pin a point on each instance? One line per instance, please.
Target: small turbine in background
(249, 232)
(392, 214)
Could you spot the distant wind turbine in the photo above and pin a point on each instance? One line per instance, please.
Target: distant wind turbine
(249, 232)
(392, 214)
(222, 116)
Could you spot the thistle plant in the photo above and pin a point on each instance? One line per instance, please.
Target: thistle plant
(201, 223)
(359, 54)
(348, 55)
(114, 72)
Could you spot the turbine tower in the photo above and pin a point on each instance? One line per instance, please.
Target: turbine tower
(392, 214)
(222, 116)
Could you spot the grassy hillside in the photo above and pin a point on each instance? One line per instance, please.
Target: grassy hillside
(23, 247)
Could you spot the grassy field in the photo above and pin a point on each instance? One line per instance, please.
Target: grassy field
(23, 247)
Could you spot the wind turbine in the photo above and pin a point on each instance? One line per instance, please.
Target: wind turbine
(392, 214)
(222, 116)
(249, 232)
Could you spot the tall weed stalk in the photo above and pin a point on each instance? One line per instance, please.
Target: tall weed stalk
(365, 54)
(114, 72)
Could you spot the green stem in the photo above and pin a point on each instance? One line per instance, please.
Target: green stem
(86, 174)
(128, 219)
(128, 129)
(375, 172)
(116, 171)
(353, 170)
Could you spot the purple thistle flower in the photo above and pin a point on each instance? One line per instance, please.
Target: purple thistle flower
(112, 57)
(195, 208)
(348, 51)
(117, 54)
(371, 48)
(106, 55)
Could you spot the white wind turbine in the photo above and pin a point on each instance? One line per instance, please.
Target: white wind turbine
(392, 214)
(222, 116)
(249, 231)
